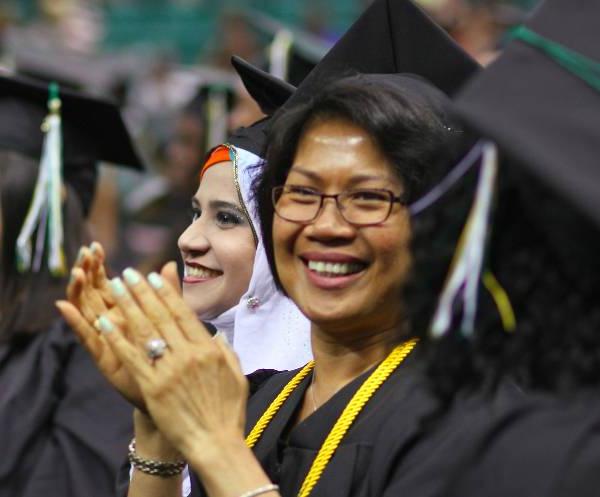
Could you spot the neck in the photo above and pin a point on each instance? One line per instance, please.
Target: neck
(338, 362)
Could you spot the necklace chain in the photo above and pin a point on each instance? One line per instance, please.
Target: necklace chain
(344, 422)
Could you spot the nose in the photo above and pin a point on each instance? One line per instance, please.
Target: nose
(330, 224)
(193, 241)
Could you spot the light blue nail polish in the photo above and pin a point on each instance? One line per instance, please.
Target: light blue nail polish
(117, 287)
(80, 254)
(131, 276)
(105, 325)
(71, 277)
(94, 247)
(155, 280)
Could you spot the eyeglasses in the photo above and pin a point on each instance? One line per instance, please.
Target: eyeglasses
(365, 207)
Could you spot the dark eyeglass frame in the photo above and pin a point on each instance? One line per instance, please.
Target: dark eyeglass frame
(277, 191)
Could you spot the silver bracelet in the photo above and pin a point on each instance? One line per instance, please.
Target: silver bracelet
(261, 490)
(153, 467)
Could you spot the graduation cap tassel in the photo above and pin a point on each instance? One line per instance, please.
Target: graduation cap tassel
(465, 273)
(279, 54)
(216, 132)
(45, 211)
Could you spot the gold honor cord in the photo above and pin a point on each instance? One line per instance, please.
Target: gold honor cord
(344, 422)
(268, 415)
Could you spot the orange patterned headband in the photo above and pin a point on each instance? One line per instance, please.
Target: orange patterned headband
(218, 155)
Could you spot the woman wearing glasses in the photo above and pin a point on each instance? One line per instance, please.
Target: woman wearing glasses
(340, 170)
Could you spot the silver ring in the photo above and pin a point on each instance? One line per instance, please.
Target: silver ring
(155, 348)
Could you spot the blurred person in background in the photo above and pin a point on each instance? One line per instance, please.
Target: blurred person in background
(62, 427)
(477, 25)
(158, 209)
(506, 275)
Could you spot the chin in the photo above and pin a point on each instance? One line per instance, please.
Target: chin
(203, 311)
(337, 313)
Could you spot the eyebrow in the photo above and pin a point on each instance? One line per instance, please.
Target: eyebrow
(359, 178)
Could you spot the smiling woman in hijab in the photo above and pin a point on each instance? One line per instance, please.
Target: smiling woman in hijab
(227, 282)
(62, 426)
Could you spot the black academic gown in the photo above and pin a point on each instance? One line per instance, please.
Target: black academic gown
(512, 443)
(63, 429)
(287, 453)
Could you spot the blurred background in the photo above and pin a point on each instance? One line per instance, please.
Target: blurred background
(167, 64)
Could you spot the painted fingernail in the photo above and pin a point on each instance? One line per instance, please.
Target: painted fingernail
(117, 287)
(80, 254)
(72, 277)
(155, 280)
(94, 247)
(131, 276)
(105, 325)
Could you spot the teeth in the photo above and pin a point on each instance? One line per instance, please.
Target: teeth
(334, 268)
(200, 272)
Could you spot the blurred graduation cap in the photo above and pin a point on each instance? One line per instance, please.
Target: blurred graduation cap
(292, 52)
(69, 132)
(540, 101)
(267, 90)
(540, 104)
(212, 103)
(270, 93)
(393, 36)
(98, 74)
(208, 97)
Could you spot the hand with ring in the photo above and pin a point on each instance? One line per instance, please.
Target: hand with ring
(90, 299)
(155, 348)
(192, 385)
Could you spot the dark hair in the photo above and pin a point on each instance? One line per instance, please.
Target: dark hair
(27, 299)
(408, 123)
(554, 293)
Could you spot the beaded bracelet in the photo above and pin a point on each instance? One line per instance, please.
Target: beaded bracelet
(153, 467)
(261, 490)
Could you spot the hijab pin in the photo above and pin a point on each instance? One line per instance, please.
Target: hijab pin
(253, 303)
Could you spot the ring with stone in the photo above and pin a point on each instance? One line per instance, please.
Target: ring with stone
(155, 348)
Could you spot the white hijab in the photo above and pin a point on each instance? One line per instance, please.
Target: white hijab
(266, 329)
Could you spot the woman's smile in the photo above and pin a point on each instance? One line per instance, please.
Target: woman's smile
(332, 270)
(197, 273)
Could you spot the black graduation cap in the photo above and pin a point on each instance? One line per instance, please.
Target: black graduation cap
(92, 130)
(393, 36)
(537, 104)
(268, 91)
(540, 103)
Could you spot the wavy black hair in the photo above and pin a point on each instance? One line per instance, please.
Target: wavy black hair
(544, 254)
(404, 114)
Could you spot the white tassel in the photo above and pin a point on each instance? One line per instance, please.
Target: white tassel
(45, 211)
(279, 54)
(217, 116)
(465, 272)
